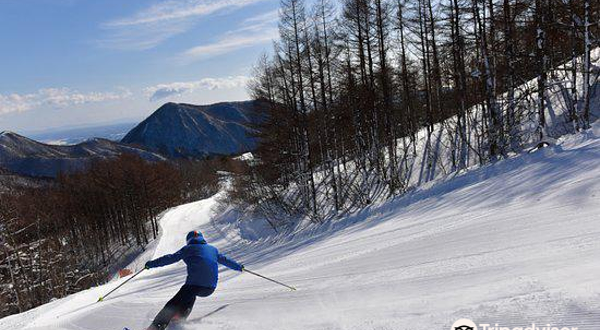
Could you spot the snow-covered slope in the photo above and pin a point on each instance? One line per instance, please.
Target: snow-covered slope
(25, 156)
(185, 130)
(512, 243)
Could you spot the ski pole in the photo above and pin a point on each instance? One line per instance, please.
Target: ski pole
(269, 279)
(120, 285)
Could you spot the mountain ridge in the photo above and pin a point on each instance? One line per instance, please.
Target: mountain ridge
(25, 156)
(183, 130)
(175, 130)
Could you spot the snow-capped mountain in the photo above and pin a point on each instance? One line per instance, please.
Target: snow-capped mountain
(191, 131)
(25, 156)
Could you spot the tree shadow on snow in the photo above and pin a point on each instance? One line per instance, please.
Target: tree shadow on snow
(517, 178)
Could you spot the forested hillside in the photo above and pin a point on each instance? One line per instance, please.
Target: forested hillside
(28, 157)
(373, 97)
(61, 236)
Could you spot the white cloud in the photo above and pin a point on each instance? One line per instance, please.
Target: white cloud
(180, 9)
(266, 18)
(162, 91)
(226, 45)
(142, 37)
(55, 98)
(163, 20)
(256, 30)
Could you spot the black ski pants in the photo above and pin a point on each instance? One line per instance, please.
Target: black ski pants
(180, 306)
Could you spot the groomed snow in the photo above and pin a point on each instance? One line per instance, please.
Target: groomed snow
(512, 243)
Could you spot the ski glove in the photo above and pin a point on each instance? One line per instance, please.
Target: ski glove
(147, 265)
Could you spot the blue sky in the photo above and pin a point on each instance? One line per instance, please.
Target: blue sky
(80, 62)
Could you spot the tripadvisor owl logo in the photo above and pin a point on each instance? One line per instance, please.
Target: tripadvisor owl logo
(464, 324)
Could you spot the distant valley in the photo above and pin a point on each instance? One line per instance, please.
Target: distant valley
(66, 136)
(24, 156)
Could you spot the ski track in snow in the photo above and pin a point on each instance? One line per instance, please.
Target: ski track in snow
(511, 243)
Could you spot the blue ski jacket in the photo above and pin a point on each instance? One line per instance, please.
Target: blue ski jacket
(201, 259)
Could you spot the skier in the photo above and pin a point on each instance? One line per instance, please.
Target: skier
(202, 261)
